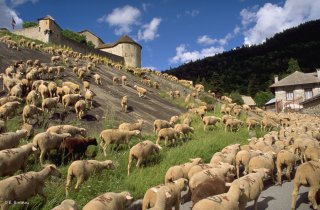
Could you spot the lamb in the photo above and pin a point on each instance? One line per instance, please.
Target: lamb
(43, 90)
(209, 188)
(263, 161)
(67, 204)
(55, 59)
(124, 80)
(110, 201)
(141, 91)
(174, 188)
(32, 97)
(80, 108)
(70, 100)
(124, 103)
(132, 126)
(112, 136)
(73, 130)
(115, 80)
(14, 159)
(52, 88)
(181, 171)
(233, 124)
(8, 109)
(307, 174)
(16, 90)
(174, 119)
(210, 120)
(285, 158)
(76, 145)
(47, 141)
(243, 157)
(97, 79)
(73, 86)
(141, 151)
(229, 200)
(11, 139)
(50, 103)
(159, 124)
(184, 129)
(29, 111)
(23, 186)
(167, 134)
(89, 98)
(82, 169)
(86, 85)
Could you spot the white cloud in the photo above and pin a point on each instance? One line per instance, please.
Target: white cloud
(271, 18)
(206, 40)
(183, 55)
(145, 6)
(122, 18)
(19, 2)
(192, 13)
(149, 31)
(6, 15)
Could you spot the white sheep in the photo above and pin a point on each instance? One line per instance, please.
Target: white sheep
(50, 103)
(210, 120)
(23, 186)
(168, 134)
(80, 108)
(110, 201)
(47, 141)
(113, 136)
(174, 119)
(82, 169)
(14, 159)
(124, 80)
(89, 94)
(132, 126)
(67, 204)
(141, 91)
(70, 100)
(159, 124)
(97, 79)
(11, 139)
(141, 151)
(263, 161)
(124, 103)
(73, 130)
(243, 157)
(184, 129)
(32, 97)
(285, 158)
(52, 88)
(29, 111)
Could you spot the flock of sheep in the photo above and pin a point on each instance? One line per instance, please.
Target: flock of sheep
(210, 185)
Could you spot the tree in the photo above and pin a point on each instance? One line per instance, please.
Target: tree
(29, 24)
(262, 97)
(236, 97)
(293, 66)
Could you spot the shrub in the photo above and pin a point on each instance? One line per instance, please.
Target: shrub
(262, 97)
(29, 24)
(236, 97)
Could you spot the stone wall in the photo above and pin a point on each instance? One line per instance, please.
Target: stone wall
(33, 33)
(90, 37)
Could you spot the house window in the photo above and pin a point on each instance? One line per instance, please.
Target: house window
(308, 93)
(289, 95)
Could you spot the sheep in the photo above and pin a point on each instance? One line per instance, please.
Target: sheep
(233, 124)
(8, 109)
(251, 122)
(307, 174)
(267, 122)
(174, 188)
(32, 97)
(112, 136)
(80, 108)
(70, 100)
(174, 119)
(181, 171)
(159, 124)
(132, 126)
(311, 153)
(110, 201)
(52, 88)
(11, 139)
(50, 103)
(55, 59)
(97, 79)
(14, 159)
(29, 111)
(2, 126)
(210, 120)
(141, 151)
(263, 161)
(226, 99)
(243, 157)
(86, 85)
(47, 141)
(43, 90)
(82, 169)
(285, 158)
(67, 204)
(141, 91)
(229, 200)
(124, 104)
(209, 188)
(184, 129)
(23, 186)
(16, 90)
(76, 145)
(227, 155)
(187, 121)
(89, 98)
(124, 80)
(115, 80)
(167, 134)
(6, 99)
(73, 130)
(163, 197)
(73, 86)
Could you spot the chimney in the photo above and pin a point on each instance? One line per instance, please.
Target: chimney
(276, 78)
(318, 73)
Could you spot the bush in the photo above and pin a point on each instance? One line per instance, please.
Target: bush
(236, 97)
(74, 36)
(29, 24)
(262, 97)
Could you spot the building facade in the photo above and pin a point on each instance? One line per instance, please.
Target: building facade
(91, 37)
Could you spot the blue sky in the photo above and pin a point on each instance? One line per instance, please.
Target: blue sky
(171, 32)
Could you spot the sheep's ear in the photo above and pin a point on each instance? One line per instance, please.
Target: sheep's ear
(128, 197)
(249, 139)
(254, 170)
(154, 189)
(168, 195)
(228, 184)
(34, 148)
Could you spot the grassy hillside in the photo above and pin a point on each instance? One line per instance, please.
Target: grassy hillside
(251, 69)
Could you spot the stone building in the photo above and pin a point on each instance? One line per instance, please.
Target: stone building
(126, 48)
(295, 88)
(91, 37)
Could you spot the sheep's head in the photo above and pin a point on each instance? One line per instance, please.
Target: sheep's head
(182, 183)
(157, 148)
(109, 164)
(128, 197)
(54, 171)
(196, 160)
(92, 141)
(83, 131)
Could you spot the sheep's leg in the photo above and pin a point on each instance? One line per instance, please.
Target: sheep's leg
(129, 164)
(105, 149)
(139, 162)
(80, 180)
(238, 166)
(288, 173)
(42, 155)
(255, 204)
(41, 193)
(294, 195)
(312, 196)
(279, 174)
